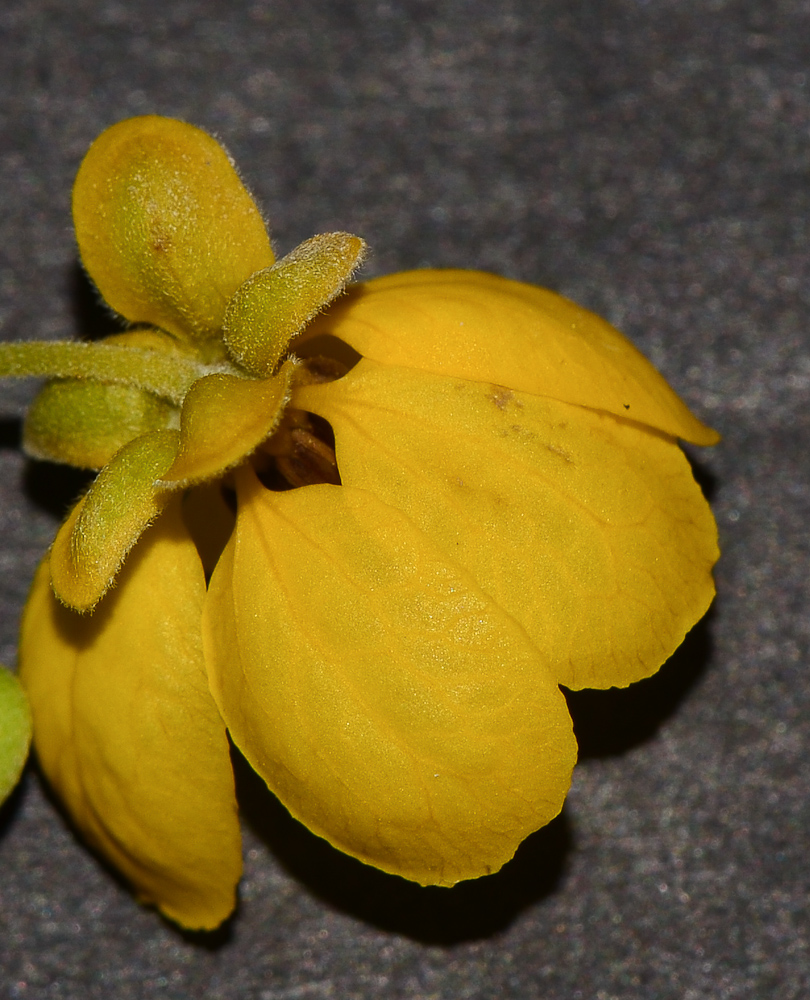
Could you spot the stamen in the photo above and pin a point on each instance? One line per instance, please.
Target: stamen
(312, 461)
(300, 453)
(319, 369)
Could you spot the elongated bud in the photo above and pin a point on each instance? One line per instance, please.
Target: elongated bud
(104, 525)
(271, 307)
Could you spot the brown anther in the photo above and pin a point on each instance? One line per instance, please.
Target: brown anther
(314, 371)
(309, 461)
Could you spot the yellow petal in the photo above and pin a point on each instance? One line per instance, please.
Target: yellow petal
(127, 732)
(590, 531)
(489, 329)
(392, 707)
(85, 423)
(224, 418)
(165, 227)
(15, 731)
(275, 304)
(108, 520)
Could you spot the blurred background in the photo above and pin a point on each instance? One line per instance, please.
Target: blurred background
(647, 158)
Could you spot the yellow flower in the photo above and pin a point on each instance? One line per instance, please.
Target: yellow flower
(452, 494)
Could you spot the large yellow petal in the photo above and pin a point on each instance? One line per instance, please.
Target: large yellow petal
(388, 702)
(482, 327)
(127, 732)
(165, 227)
(589, 530)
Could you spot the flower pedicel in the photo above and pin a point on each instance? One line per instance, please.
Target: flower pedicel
(369, 540)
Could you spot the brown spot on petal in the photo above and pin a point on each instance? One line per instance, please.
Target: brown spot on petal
(556, 450)
(500, 396)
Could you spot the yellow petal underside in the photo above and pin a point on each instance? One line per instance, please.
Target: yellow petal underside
(224, 418)
(165, 227)
(391, 706)
(588, 530)
(485, 328)
(127, 732)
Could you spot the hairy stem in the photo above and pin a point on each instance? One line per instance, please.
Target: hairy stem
(165, 374)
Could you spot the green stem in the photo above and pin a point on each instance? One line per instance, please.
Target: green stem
(162, 373)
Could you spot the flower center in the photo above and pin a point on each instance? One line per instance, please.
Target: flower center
(301, 451)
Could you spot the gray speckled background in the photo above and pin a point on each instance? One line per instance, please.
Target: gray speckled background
(648, 158)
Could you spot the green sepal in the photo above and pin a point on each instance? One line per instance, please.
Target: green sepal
(223, 420)
(275, 304)
(104, 525)
(85, 423)
(15, 731)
